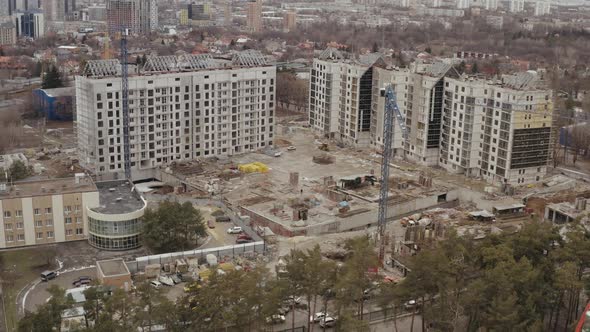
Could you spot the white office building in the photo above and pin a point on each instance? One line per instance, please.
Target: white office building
(180, 108)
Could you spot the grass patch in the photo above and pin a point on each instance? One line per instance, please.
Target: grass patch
(18, 268)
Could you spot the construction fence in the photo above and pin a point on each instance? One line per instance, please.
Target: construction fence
(232, 251)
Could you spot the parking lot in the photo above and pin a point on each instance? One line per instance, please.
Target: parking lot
(219, 235)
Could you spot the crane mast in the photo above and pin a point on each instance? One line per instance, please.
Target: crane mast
(125, 102)
(391, 110)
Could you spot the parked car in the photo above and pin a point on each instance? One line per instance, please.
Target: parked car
(327, 321)
(318, 316)
(242, 241)
(275, 319)
(245, 236)
(278, 154)
(411, 304)
(222, 218)
(81, 281)
(166, 280)
(211, 224)
(48, 275)
(235, 230)
(156, 284)
(291, 148)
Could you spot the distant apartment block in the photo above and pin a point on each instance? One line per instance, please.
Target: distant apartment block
(7, 33)
(497, 130)
(516, 6)
(29, 24)
(542, 8)
(254, 15)
(140, 16)
(180, 108)
(97, 13)
(289, 20)
(199, 14)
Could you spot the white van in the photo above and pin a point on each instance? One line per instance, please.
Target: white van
(156, 284)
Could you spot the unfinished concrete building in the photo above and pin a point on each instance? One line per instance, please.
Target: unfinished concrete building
(499, 130)
(341, 93)
(180, 108)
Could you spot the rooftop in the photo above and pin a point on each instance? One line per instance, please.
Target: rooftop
(59, 92)
(117, 197)
(113, 267)
(47, 187)
(178, 63)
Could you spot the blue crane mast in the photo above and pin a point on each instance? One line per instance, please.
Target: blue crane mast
(391, 110)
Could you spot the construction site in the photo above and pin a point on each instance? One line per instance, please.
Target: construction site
(309, 187)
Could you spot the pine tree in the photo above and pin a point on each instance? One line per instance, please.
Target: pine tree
(52, 79)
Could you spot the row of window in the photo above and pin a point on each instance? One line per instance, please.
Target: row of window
(37, 211)
(43, 223)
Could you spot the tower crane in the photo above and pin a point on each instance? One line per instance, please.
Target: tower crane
(391, 110)
(124, 32)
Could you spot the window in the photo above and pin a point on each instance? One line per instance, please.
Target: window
(69, 232)
(20, 225)
(8, 226)
(79, 231)
(68, 220)
(37, 212)
(39, 235)
(50, 234)
(20, 237)
(78, 220)
(78, 208)
(49, 222)
(9, 238)
(18, 213)
(6, 214)
(38, 223)
(67, 209)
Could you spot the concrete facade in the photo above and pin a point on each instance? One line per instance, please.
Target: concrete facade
(175, 116)
(50, 211)
(497, 130)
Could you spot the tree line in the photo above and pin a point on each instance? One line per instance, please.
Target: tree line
(529, 281)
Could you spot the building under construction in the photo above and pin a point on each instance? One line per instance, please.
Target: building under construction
(180, 108)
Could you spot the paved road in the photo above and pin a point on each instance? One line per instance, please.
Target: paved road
(38, 293)
(403, 323)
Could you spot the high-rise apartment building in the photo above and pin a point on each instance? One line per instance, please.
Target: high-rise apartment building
(29, 23)
(516, 6)
(496, 130)
(463, 4)
(340, 100)
(254, 15)
(499, 130)
(542, 8)
(180, 108)
(289, 20)
(491, 4)
(7, 33)
(140, 16)
(199, 13)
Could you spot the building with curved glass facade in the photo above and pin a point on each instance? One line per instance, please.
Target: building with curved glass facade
(117, 222)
